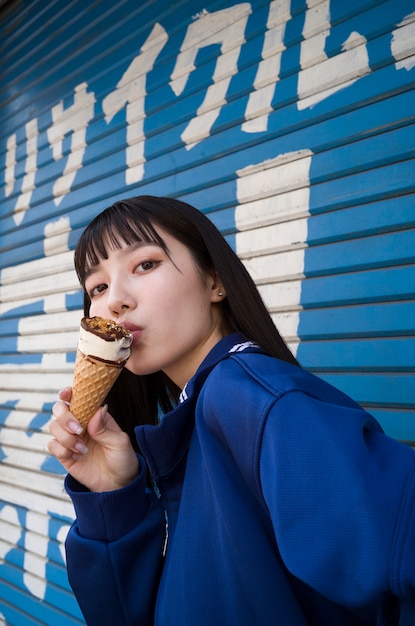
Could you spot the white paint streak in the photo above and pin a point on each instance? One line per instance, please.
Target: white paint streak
(74, 120)
(285, 298)
(28, 184)
(22, 440)
(36, 541)
(403, 43)
(61, 537)
(49, 279)
(227, 28)
(19, 496)
(279, 236)
(271, 196)
(56, 236)
(36, 549)
(287, 324)
(273, 179)
(9, 178)
(276, 267)
(10, 530)
(22, 284)
(130, 92)
(259, 102)
(320, 76)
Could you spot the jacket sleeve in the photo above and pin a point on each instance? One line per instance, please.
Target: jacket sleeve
(114, 552)
(341, 496)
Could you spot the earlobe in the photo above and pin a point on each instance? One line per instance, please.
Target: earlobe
(217, 290)
(218, 293)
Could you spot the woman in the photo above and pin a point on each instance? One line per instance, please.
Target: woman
(224, 484)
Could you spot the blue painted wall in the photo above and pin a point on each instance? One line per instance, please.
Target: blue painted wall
(290, 125)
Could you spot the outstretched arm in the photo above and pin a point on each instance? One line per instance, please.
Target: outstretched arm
(341, 497)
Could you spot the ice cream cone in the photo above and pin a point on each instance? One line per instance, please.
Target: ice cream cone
(91, 383)
(95, 375)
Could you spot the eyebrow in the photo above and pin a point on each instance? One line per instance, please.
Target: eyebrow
(130, 248)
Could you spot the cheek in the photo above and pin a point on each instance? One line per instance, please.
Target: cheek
(95, 309)
(185, 298)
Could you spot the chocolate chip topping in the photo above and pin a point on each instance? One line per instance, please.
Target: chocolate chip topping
(107, 329)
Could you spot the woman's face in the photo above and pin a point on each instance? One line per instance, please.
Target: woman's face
(168, 303)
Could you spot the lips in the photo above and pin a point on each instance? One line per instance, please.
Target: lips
(133, 328)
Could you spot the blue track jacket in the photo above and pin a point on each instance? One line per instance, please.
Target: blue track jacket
(285, 503)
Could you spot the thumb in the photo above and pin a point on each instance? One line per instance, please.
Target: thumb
(102, 426)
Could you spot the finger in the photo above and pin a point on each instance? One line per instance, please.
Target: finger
(66, 438)
(60, 410)
(65, 454)
(102, 425)
(62, 413)
(65, 394)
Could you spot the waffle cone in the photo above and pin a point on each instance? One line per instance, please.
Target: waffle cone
(91, 383)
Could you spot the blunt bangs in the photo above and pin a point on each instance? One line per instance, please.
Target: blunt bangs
(112, 228)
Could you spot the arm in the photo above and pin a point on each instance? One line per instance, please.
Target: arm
(114, 553)
(114, 549)
(341, 496)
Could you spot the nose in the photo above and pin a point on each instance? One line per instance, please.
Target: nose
(120, 299)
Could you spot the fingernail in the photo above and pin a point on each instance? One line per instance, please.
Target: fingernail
(81, 448)
(75, 427)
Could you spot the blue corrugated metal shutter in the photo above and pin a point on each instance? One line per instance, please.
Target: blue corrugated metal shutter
(290, 123)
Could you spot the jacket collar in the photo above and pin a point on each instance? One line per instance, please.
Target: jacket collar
(165, 445)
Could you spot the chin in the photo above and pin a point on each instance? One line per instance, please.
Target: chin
(139, 370)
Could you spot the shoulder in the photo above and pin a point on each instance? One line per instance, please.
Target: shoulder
(251, 384)
(269, 377)
(246, 383)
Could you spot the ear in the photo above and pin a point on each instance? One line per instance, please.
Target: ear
(218, 292)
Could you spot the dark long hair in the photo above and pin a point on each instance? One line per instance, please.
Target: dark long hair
(140, 399)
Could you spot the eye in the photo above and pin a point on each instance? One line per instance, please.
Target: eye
(96, 290)
(146, 265)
